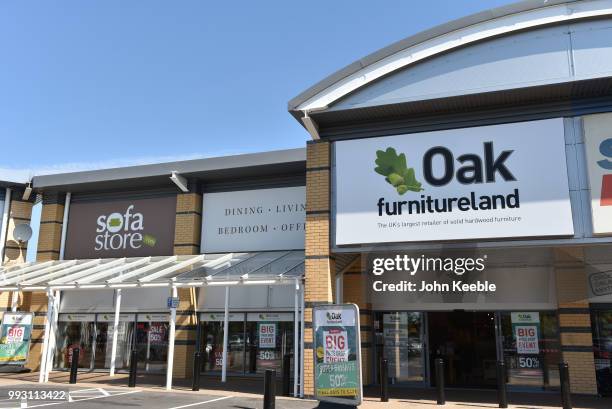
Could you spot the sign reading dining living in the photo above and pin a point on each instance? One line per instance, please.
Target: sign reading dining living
(121, 228)
(254, 220)
(505, 180)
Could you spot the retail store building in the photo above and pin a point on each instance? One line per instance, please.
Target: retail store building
(486, 139)
(479, 152)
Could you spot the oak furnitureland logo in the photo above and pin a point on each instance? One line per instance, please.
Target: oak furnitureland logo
(396, 171)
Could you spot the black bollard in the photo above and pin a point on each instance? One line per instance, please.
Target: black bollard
(502, 394)
(74, 365)
(440, 381)
(566, 400)
(269, 389)
(197, 363)
(384, 380)
(286, 374)
(133, 369)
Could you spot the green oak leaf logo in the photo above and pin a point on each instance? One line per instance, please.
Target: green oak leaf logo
(396, 172)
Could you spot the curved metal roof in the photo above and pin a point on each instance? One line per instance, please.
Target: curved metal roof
(477, 27)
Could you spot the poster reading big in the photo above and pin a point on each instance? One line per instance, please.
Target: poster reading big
(15, 335)
(337, 353)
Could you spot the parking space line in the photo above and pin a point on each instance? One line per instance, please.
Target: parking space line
(201, 403)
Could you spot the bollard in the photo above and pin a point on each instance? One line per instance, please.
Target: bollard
(133, 369)
(74, 365)
(566, 400)
(269, 389)
(502, 395)
(286, 374)
(197, 363)
(384, 380)
(440, 381)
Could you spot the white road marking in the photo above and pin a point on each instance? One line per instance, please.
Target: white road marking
(201, 403)
(104, 392)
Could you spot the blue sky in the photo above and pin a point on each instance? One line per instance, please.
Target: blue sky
(103, 83)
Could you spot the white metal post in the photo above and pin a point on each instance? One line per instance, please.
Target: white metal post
(45, 347)
(52, 335)
(302, 346)
(14, 301)
(171, 341)
(296, 360)
(225, 335)
(115, 331)
(4, 224)
(64, 225)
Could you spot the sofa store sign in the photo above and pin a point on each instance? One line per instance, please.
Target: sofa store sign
(121, 228)
(254, 220)
(495, 181)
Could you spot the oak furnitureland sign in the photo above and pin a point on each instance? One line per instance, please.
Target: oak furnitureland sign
(337, 354)
(495, 181)
(254, 220)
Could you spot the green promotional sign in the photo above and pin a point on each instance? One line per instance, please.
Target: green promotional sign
(15, 335)
(337, 354)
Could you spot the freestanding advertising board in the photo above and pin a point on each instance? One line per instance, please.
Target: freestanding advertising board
(337, 354)
(15, 335)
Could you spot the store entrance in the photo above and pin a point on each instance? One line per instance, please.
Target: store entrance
(466, 342)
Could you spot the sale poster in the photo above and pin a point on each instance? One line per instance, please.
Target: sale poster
(337, 354)
(15, 334)
(526, 332)
(267, 334)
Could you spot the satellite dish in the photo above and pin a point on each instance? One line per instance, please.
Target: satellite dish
(22, 232)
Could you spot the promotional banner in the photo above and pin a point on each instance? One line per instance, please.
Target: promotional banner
(337, 354)
(121, 228)
(267, 334)
(495, 181)
(598, 144)
(526, 332)
(15, 335)
(254, 220)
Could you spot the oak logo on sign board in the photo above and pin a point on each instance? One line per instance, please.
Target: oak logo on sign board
(121, 228)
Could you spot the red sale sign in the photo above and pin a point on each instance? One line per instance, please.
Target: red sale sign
(527, 339)
(336, 347)
(15, 334)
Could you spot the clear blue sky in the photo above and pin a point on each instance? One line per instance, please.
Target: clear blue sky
(86, 84)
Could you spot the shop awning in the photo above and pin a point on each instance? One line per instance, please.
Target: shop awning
(270, 267)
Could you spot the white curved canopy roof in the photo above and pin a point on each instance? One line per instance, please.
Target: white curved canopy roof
(518, 17)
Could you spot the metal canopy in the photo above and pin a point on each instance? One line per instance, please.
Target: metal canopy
(271, 267)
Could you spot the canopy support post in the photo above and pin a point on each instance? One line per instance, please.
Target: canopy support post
(45, 347)
(171, 341)
(52, 335)
(302, 345)
(115, 331)
(14, 301)
(295, 338)
(225, 335)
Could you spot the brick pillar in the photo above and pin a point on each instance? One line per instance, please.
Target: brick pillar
(20, 211)
(575, 319)
(355, 291)
(51, 220)
(319, 262)
(186, 242)
(35, 302)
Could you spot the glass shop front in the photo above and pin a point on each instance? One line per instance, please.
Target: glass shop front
(470, 330)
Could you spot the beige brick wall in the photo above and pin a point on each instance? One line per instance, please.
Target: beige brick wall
(19, 212)
(50, 237)
(188, 223)
(575, 320)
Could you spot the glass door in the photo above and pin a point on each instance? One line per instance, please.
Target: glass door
(152, 345)
(104, 344)
(71, 334)
(401, 340)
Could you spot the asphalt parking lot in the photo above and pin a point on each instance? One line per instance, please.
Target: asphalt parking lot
(34, 396)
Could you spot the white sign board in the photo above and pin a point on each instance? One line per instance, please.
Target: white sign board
(495, 181)
(598, 144)
(254, 220)
(267, 334)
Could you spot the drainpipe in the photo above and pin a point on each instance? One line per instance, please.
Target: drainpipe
(65, 225)
(5, 216)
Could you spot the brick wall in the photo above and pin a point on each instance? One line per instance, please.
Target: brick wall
(20, 211)
(51, 220)
(188, 223)
(575, 319)
(319, 263)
